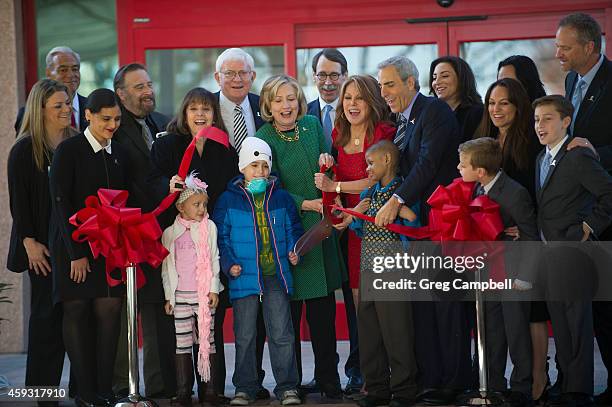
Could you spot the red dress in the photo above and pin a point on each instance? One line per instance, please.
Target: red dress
(352, 167)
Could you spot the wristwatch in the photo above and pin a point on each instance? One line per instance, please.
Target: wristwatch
(338, 190)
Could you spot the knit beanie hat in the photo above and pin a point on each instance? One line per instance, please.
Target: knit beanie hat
(254, 149)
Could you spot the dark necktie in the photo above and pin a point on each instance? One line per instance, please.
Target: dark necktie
(400, 134)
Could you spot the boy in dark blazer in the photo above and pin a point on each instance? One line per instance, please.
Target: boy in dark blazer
(574, 197)
(507, 322)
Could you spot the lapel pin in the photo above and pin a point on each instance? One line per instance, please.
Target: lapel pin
(304, 128)
(258, 115)
(412, 121)
(553, 163)
(591, 98)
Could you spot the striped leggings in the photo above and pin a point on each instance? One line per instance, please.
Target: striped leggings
(186, 322)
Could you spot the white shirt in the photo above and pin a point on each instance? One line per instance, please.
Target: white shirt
(553, 151)
(227, 113)
(488, 187)
(332, 112)
(95, 145)
(76, 111)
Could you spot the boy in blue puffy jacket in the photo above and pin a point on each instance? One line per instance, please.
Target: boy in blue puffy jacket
(258, 226)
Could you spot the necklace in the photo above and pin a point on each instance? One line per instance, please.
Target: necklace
(285, 137)
(357, 142)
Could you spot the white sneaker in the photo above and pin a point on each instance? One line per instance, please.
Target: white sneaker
(290, 398)
(241, 399)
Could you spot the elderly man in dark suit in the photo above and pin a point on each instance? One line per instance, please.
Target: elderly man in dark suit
(139, 126)
(235, 73)
(574, 196)
(589, 87)
(63, 65)
(428, 138)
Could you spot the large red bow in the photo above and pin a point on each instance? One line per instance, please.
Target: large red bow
(454, 216)
(122, 235)
(126, 235)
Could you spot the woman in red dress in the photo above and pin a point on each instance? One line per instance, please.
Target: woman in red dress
(362, 121)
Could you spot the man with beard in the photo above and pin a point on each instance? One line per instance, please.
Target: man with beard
(63, 65)
(139, 125)
(329, 72)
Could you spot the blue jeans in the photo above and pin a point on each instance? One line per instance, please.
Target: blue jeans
(277, 318)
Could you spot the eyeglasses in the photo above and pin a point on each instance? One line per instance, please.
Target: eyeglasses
(244, 75)
(322, 76)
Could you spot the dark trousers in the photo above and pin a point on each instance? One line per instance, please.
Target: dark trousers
(220, 372)
(507, 329)
(45, 344)
(602, 322)
(351, 367)
(386, 336)
(321, 318)
(443, 346)
(572, 324)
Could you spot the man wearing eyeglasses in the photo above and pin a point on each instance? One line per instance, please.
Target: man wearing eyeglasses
(329, 69)
(235, 73)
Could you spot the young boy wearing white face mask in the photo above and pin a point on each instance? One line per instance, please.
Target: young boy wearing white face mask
(258, 227)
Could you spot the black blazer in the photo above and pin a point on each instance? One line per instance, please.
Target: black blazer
(516, 209)
(430, 155)
(129, 135)
(593, 119)
(82, 121)
(577, 189)
(469, 118)
(30, 202)
(254, 102)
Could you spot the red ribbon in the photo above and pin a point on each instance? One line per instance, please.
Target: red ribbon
(454, 216)
(126, 235)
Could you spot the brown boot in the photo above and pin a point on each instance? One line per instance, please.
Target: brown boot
(206, 390)
(184, 379)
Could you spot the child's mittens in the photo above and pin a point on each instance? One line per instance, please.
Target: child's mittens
(168, 308)
(235, 270)
(293, 258)
(213, 300)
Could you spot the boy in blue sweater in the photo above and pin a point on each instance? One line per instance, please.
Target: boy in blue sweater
(258, 227)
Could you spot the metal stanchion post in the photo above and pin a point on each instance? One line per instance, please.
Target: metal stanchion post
(134, 398)
(483, 397)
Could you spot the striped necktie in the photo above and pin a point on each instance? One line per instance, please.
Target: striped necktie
(400, 135)
(146, 133)
(240, 128)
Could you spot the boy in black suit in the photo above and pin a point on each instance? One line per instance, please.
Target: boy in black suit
(574, 196)
(507, 322)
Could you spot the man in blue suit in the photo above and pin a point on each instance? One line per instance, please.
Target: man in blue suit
(428, 137)
(329, 71)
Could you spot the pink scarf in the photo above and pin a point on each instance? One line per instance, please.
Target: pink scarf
(203, 279)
